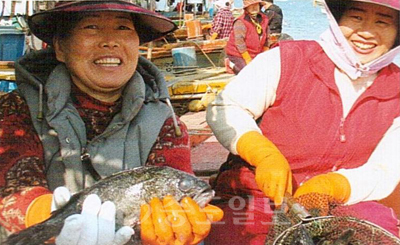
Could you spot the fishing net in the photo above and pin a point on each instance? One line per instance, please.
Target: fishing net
(316, 219)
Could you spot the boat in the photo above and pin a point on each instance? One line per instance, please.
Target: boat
(317, 2)
(197, 75)
(208, 52)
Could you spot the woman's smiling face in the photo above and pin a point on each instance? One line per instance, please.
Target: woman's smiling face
(101, 53)
(370, 29)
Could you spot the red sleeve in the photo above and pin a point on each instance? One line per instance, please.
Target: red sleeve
(217, 23)
(13, 207)
(171, 150)
(22, 177)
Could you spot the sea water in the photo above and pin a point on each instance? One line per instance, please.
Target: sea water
(304, 21)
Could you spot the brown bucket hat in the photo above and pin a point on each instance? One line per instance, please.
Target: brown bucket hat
(149, 25)
(247, 3)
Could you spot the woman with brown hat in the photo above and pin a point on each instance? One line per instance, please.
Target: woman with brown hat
(249, 36)
(315, 117)
(85, 108)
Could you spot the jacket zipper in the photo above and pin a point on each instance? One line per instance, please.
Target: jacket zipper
(88, 165)
(342, 135)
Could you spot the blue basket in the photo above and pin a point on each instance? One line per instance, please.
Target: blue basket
(7, 86)
(184, 57)
(12, 43)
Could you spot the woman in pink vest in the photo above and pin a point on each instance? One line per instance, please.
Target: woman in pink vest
(249, 36)
(324, 119)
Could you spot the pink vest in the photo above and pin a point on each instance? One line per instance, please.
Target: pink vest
(254, 43)
(306, 121)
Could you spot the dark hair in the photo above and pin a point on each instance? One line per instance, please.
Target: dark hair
(269, 1)
(66, 23)
(338, 7)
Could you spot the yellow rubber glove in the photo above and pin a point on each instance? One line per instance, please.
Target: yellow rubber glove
(273, 174)
(247, 58)
(214, 36)
(39, 210)
(332, 184)
(207, 26)
(172, 223)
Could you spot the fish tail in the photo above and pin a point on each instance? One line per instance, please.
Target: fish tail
(35, 235)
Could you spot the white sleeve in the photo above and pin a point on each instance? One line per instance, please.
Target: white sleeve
(379, 176)
(245, 99)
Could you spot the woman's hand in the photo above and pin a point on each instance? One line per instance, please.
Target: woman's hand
(169, 222)
(272, 174)
(95, 225)
(332, 184)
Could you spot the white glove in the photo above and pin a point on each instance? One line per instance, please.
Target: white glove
(61, 196)
(94, 226)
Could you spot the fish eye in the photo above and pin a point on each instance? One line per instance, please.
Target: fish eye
(186, 185)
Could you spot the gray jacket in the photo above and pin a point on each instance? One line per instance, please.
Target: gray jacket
(46, 85)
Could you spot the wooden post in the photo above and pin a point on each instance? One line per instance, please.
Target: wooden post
(27, 9)
(3, 7)
(181, 9)
(150, 50)
(13, 4)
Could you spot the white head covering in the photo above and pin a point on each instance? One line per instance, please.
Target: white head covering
(339, 51)
(221, 3)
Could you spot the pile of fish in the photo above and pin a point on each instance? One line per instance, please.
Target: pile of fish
(295, 225)
(331, 230)
(128, 190)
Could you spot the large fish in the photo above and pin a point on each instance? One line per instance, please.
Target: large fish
(128, 190)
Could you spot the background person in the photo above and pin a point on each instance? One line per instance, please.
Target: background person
(84, 109)
(222, 23)
(249, 36)
(324, 118)
(275, 16)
